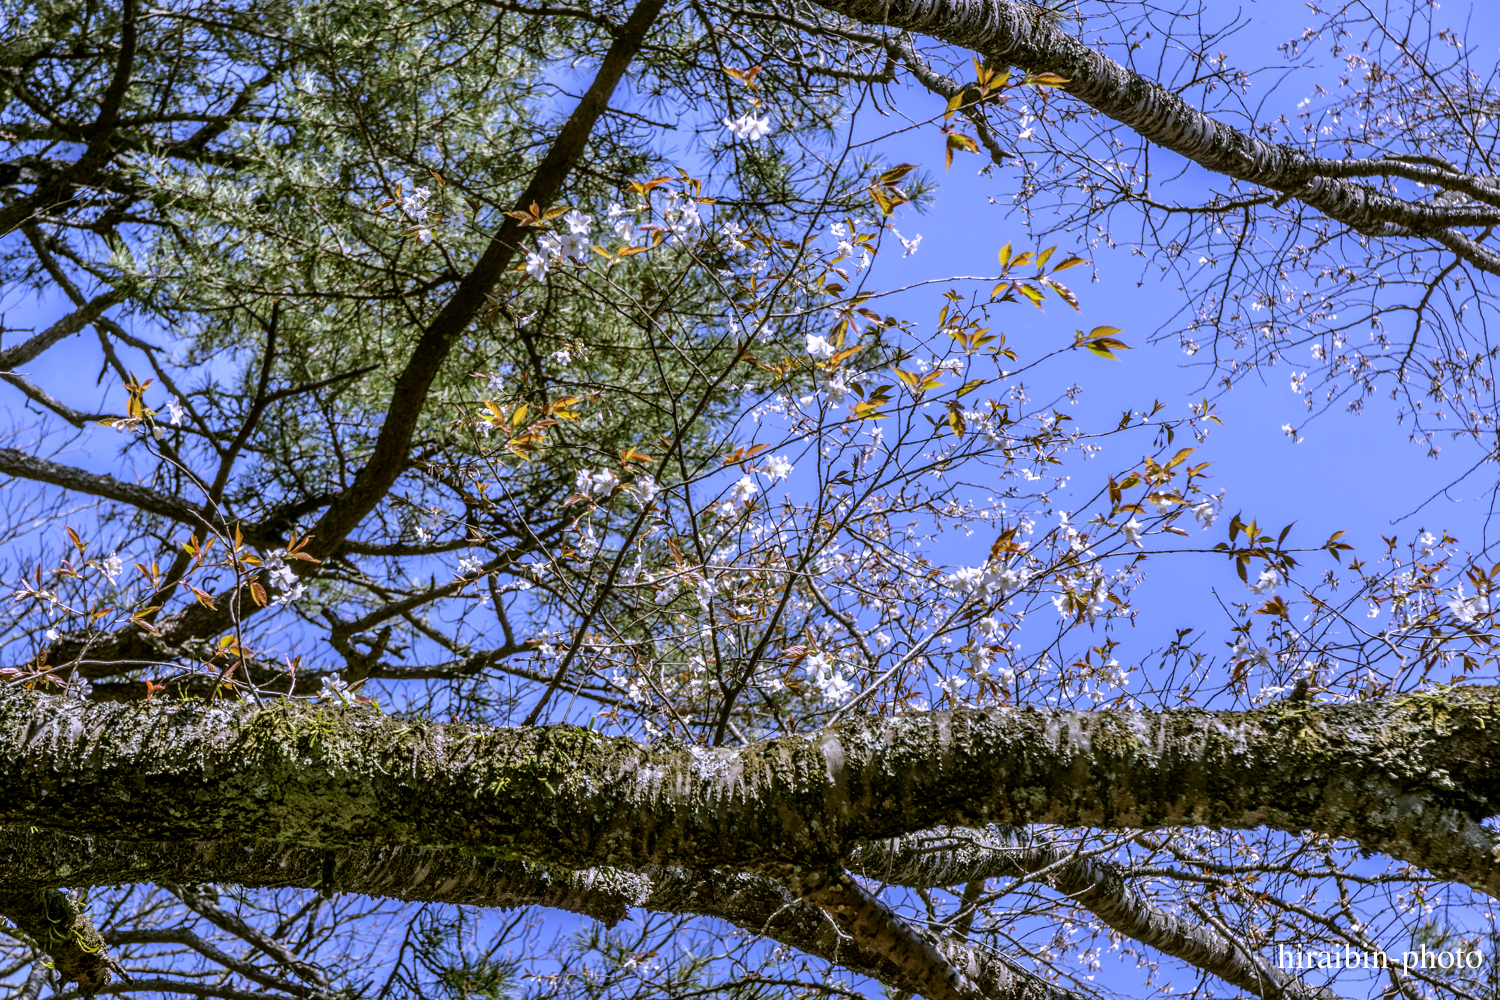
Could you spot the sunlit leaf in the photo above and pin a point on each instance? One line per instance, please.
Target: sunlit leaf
(954, 103)
(958, 140)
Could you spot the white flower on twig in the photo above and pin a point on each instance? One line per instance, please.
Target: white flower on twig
(778, 467)
(1466, 609)
(335, 688)
(748, 127)
(415, 204)
(574, 247)
(826, 676)
(837, 388)
(1270, 579)
(991, 581)
(645, 488)
(621, 222)
(744, 489)
(819, 348)
(601, 483)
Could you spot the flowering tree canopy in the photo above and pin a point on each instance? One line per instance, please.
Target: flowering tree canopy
(516, 488)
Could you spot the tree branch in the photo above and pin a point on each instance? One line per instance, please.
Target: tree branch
(1013, 33)
(388, 456)
(31, 348)
(62, 930)
(946, 857)
(98, 152)
(39, 395)
(1407, 776)
(755, 903)
(14, 462)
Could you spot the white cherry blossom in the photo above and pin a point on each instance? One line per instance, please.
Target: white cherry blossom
(748, 127)
(743, 490)
(778, 467)
(819, 348)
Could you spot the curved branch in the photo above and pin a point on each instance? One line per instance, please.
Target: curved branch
(14, 462)
(32, 348)
(39, 395)
(757, 904)
(17, 463)
(945, 857)
(1014, 33)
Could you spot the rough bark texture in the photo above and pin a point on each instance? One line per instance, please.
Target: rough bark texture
(39, 861)
(763, 906)
(62, 930)
(1410, 777)
(865, 919)
(948, 857)
(34, 861)
(1017, 34)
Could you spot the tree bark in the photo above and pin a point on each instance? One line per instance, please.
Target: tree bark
(947, 857)
(1409, 776)
(760, 905)
(62, 929)
(1016, 34)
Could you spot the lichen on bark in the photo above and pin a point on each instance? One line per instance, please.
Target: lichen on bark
(60, 927)
(1410, 777)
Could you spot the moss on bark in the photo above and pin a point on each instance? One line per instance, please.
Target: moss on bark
(61, 929)
(1411, 777)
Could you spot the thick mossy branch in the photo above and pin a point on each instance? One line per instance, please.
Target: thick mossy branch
(1410, 776)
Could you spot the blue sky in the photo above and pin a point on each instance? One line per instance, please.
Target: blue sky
(1344, 472)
